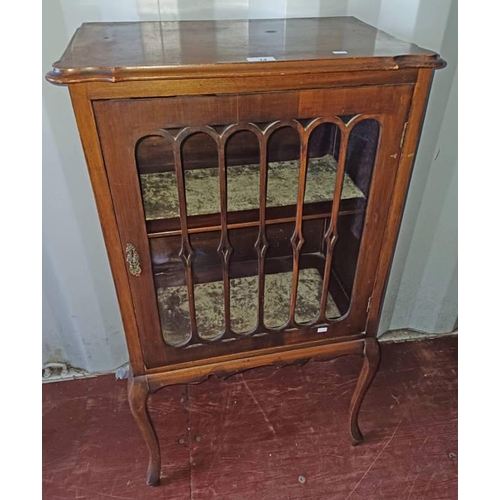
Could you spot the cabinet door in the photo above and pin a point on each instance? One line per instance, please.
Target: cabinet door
(251, 221)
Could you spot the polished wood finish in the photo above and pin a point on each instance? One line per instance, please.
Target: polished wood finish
(155, 98)
(90, 141)
(114, 52)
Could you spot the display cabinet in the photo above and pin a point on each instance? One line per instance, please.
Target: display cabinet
(250, 178)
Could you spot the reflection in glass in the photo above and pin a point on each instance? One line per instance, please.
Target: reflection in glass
(155, 163)
(199, 154)
(360, 161)
(171, 290)
(208, 285)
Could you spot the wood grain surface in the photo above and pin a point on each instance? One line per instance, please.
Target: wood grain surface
(134, 51)
(265, 434)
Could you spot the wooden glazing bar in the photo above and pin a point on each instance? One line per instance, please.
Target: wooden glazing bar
(186, 252)
(225, 250)
(297, 240)
(261, 245)
(331, 233)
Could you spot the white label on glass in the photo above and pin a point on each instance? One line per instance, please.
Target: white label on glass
(339, 52)
(259, 59)
(322, 329)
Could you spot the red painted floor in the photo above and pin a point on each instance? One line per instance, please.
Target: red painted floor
(254, 435)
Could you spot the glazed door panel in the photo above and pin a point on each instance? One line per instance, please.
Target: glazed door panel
(251, 221)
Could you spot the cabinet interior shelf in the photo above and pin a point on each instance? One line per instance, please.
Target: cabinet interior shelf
(161, 205)
(174, 307)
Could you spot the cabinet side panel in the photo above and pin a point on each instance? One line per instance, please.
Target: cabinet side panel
(90, 141)
(407, 159)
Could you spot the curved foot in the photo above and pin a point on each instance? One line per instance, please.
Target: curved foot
(138, 392)
(368, 371)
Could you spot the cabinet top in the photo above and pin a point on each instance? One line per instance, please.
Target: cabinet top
(131, 51)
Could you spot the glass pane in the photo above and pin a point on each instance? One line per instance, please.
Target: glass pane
(243, 182)
(208, 286)
(283, 156)
(320, 188)
(322, 166)
(199, 156)
(244, 283)
(155, 163)
(171, 290)
(201, 174)
(279, 275)
(360, 161)
(243, 171)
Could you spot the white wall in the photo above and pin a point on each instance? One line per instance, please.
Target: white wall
(422, 290)
(81, 321)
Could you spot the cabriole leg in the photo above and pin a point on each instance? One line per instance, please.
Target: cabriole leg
(370, 365)
(138, 392)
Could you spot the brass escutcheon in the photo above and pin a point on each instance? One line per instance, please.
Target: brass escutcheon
(134, 264)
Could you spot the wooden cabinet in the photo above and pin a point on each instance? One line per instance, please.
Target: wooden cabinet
(250, 178)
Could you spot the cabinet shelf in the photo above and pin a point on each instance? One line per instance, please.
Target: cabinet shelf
(160, 197)
(174, 308)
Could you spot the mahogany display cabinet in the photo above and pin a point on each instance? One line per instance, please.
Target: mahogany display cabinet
(250, 178)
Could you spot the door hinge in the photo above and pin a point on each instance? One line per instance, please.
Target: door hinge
(369, 304)
(403, 135)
